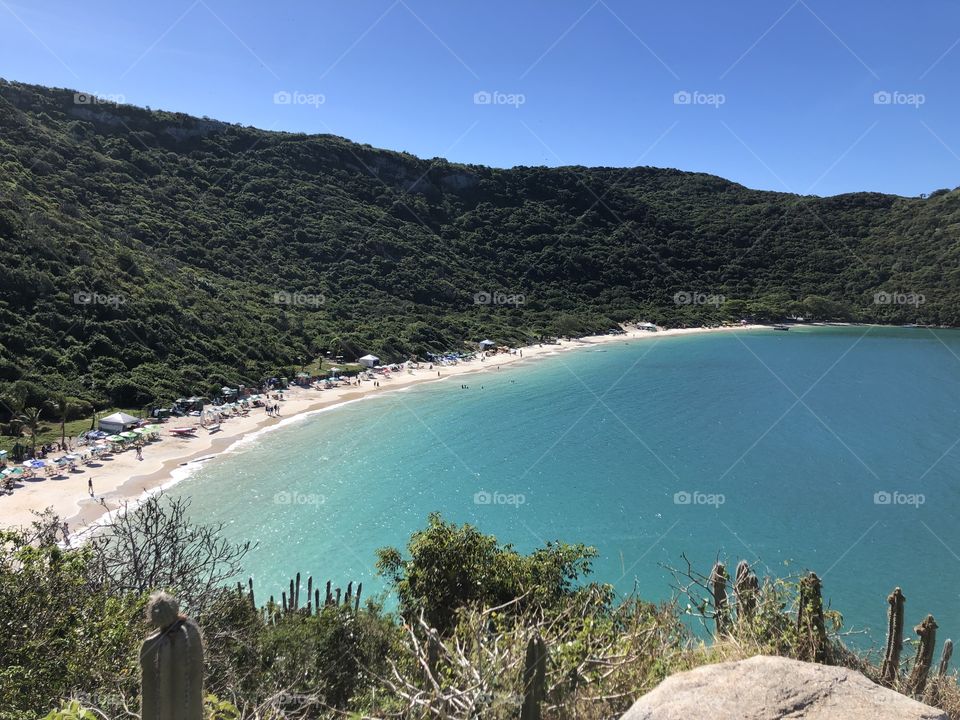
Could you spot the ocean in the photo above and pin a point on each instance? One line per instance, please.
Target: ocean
(834, 449)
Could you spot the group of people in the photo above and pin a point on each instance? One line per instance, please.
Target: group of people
(273, 410)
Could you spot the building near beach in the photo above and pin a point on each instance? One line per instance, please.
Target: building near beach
(369, 361)
(117, 423)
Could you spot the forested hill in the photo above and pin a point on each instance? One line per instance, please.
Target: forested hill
(147, 254)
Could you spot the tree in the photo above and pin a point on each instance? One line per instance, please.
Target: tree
(157, 547)
(451, 567)
(62, 406)
(30, 418)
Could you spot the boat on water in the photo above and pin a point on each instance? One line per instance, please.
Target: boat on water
(781, 326)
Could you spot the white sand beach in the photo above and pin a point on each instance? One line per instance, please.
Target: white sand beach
(123, 478)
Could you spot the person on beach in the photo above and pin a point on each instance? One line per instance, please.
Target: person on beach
(139, 453)
(66, 533)
(90, 486)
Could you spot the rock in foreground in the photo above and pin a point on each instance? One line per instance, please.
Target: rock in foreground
(769, 688)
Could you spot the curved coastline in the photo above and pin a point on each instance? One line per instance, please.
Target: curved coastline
(120, 486)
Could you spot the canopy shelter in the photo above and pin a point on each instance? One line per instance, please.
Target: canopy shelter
(487, 344)
(647, 326)
(117, 423)
(369, 361)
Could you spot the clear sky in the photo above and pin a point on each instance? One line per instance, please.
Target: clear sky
(781, 93)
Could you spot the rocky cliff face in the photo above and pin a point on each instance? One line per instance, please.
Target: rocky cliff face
(770, 688)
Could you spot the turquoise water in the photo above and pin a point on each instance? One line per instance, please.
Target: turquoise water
(781, 441)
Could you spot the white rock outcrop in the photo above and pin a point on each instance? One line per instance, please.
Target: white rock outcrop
(770, 688)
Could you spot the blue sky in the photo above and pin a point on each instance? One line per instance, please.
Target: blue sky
(781, 93)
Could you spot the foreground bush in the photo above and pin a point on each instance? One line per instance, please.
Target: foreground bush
(472, 613)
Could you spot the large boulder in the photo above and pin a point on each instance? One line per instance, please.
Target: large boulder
(769, 688)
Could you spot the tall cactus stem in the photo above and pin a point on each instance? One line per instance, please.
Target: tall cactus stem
(890, 669)
(171, 664)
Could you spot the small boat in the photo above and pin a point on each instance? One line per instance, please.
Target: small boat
(211, 429)
(183, 431)
(781, 327)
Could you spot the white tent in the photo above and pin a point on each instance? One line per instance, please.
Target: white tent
(487, 344)
(117, 423)
(369, 361)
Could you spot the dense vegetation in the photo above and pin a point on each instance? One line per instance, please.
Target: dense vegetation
(145, 255)
(71, 624)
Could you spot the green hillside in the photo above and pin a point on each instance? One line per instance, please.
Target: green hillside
(148, 254)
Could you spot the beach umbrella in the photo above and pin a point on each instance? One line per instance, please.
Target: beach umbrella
(71, 456)
(34, 464)
(113, 438)
(128, 435)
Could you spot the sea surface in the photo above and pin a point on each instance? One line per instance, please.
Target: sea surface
(828, 449)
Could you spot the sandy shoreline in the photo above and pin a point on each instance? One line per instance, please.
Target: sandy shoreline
(123, 478)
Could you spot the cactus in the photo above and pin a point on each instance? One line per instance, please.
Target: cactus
(945, 657)
(171, 663)
(934, 695)
(356, 600)
(810, 617)
(917, 681)
(891, 656)
(253, 603)
(718, 588)
(745, 590)
(534, 679)
(329, 599)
